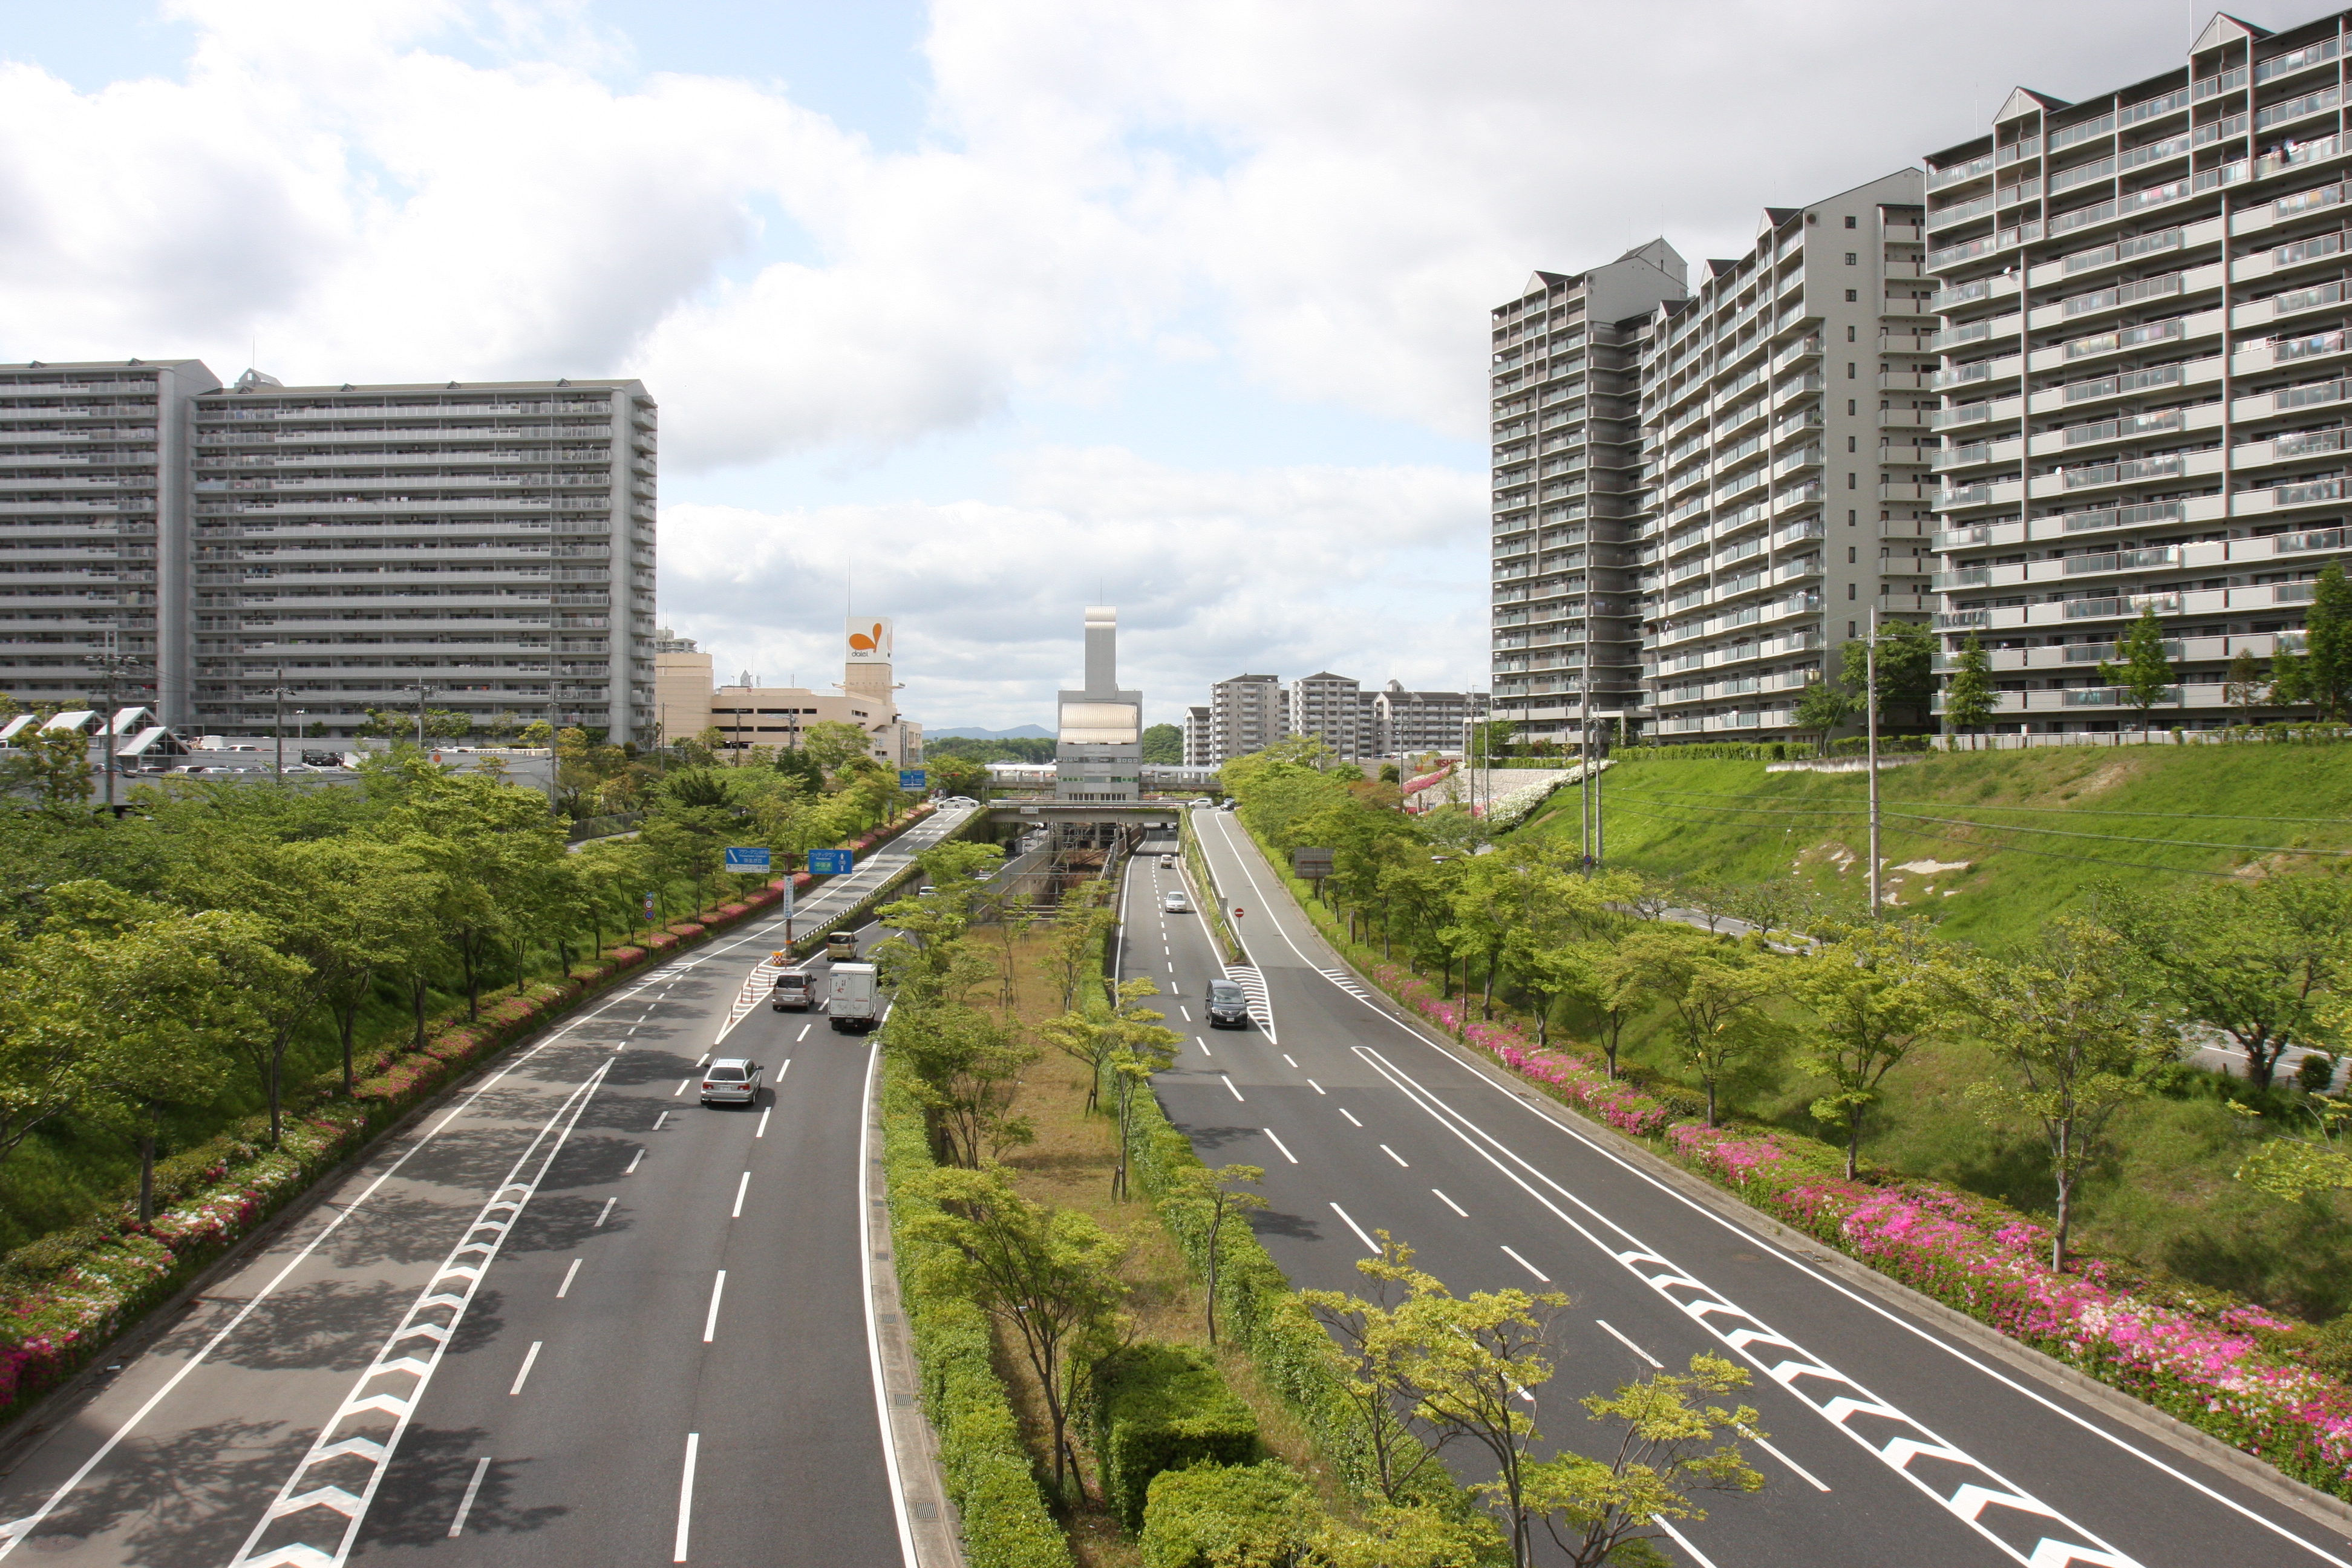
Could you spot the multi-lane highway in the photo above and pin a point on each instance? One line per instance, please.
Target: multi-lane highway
(573, 1317)
(1891, 1439)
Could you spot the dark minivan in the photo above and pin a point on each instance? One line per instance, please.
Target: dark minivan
(1228, 1008)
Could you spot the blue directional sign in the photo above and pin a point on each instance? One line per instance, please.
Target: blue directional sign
(830, 862)
(746, 859)
(911, 778)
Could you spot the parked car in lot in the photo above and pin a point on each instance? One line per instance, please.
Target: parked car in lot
(1175, 902)
(794, 991)
(1228, 1007)
(731, 1081)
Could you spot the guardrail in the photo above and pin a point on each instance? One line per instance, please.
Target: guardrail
(1214, 900)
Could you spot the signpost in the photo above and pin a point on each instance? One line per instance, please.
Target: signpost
(747, 860)
(1311, 863)
(911, 778)
(832, 862)
(649, 923)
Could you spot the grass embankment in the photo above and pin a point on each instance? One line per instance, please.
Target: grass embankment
(1070, 1166)
(2014, 817)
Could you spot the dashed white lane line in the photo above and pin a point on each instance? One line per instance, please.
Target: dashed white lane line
(1698, 1559)
(804, 1030)
(1203, 1042)
(633, 1163)
(465, 1503)
(1186, 1011)
(686, 1494)
(763, 1132)
(705, 1057)
(1369, 1245)
(680, 1089)
(1610, 1330)
(1313, 1085)
(1350, 1115)
(606, 1212)
(1545, 1278)
(1285, 1057)
(1229, 1089)
(1394, 1155)
(659, 1119)
(781, 1068)
(528, 1356)
(710, 1321)
(1766, 1444)
(740, 1188)
(1449, 1202)
(1281, 1145)
(572, 1273)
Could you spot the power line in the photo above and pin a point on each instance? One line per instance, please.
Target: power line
(2069, 810)
(1850, 812)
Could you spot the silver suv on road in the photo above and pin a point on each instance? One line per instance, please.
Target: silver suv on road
(731, 1081)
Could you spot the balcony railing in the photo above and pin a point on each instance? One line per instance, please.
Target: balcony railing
(2123, 516)
(2121, 250)
(2307, 344)
(2123, 472)
(2122, 604)
(1954, 173)
(2123, 294)
(2215, 86)
(2127, 337)
(2295, 60)
(2128, 426)
(2307, 492)
(2122, 560)
(2296, 108)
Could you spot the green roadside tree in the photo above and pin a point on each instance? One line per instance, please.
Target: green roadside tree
(1370, 1357)
(2144, 673)
(958, 775)
(2327, 643)
(967, 1070)
(1050, 1278)
(1715, 991)
(368, 910)
(1822, 708)
(1163, 744)
(2242, 684)
(1142, 1045)
(1907, 666)
(2074, 1042)
(51, 765)
(1874, 993)
(1969, 699)
(833, 743)
(1217, 1194)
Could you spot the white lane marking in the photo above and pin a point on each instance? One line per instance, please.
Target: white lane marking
(803, 1034)
(1701, 1560)
(740, 1188)
(1810, 1379)
(873, 1335)
(680, 1089)
(465, 1503)
(1186, 1011)
(1285, 1057)
(1229, 1089)
(782, 1067)
(604, 1214)
(1394, 1155)
(763, 1132)
(529, 1357)
(710, 1321)
(1313, 1085)
(1350, 1115)
(1538, 1274)
(1171, 966)
(1766, 1444)
(572, 1273)
(1281, 1145)
(1370, 1245)
(686, 1495)
(1449, 1202)
(1203, 1042)
(633, 1165)
(631, 1030)
(705, 1057)
(1611, 1328)
(512, 1195)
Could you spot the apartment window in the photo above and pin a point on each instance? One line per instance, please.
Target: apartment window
(1848, 406)
(1849, 554)
(1849, 517)
(1850, 483)
(1848, 628)
(1849, 591)
(1849, 332)
(1849, 222)
(1849, 444)
(1849, 370)
(1852, 296)
(1852, 257)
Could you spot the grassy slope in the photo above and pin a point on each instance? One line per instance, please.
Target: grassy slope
(2167, 1198)
(1728, 821)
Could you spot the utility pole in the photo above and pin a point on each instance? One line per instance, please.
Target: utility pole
(1870, 701)
(277, 694)
(1584, 782)
(111, 663)
(423, 691)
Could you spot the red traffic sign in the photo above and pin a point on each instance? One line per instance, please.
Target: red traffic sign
(1237, 911)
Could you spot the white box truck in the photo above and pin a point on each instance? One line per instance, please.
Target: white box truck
(850, 1000)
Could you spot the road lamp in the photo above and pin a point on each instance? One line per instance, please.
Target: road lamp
(1870, 703)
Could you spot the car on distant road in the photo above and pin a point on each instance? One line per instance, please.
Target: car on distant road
(1175, 902)
(794, 991)
(1229, 805)
(1228, 1007)
(1167, 862)
(1204, 800)
(841, 946)
(731, 1081)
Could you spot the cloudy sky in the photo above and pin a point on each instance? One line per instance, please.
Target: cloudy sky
(976, 312)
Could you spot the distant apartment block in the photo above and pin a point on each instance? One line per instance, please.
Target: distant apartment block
(93, 530)
(1200, 749)
(1565, 408)
(1337, 710)
(492, 543)
(1247, 714)
(2143, 378)
(1412, 722)
(1785, 408)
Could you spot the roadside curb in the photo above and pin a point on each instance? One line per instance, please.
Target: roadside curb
(936, 1529)
(2185, 1440)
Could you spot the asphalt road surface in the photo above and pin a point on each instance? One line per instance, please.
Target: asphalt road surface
(1890, 1441)
(576, 1317)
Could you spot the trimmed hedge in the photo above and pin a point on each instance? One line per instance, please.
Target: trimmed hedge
(1162, 1407)
(1215, 1514)
(981, 1456)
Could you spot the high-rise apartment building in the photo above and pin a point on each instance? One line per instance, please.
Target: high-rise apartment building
(1337, 710)
(2144, 378)
(93, 530)
(1200, 749)
(1412, 722)
(1784, 489)
(1247, 714)
(1565, 405)
(492, 543)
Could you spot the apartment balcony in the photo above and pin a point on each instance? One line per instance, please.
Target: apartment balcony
(1976, 454)
(1907, 491)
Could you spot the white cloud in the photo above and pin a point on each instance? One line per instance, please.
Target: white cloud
(1279, 571)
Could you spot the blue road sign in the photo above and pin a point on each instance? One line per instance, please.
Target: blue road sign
(830, 862)
(911, 778)
(746, 859)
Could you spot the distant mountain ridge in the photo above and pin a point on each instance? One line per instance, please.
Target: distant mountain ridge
(974, 732)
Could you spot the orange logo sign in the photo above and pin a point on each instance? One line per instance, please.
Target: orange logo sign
(866, 642)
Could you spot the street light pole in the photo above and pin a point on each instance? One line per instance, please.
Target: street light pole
(423, 691)
(1870, 699)
(111, 663)
(278, 695)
